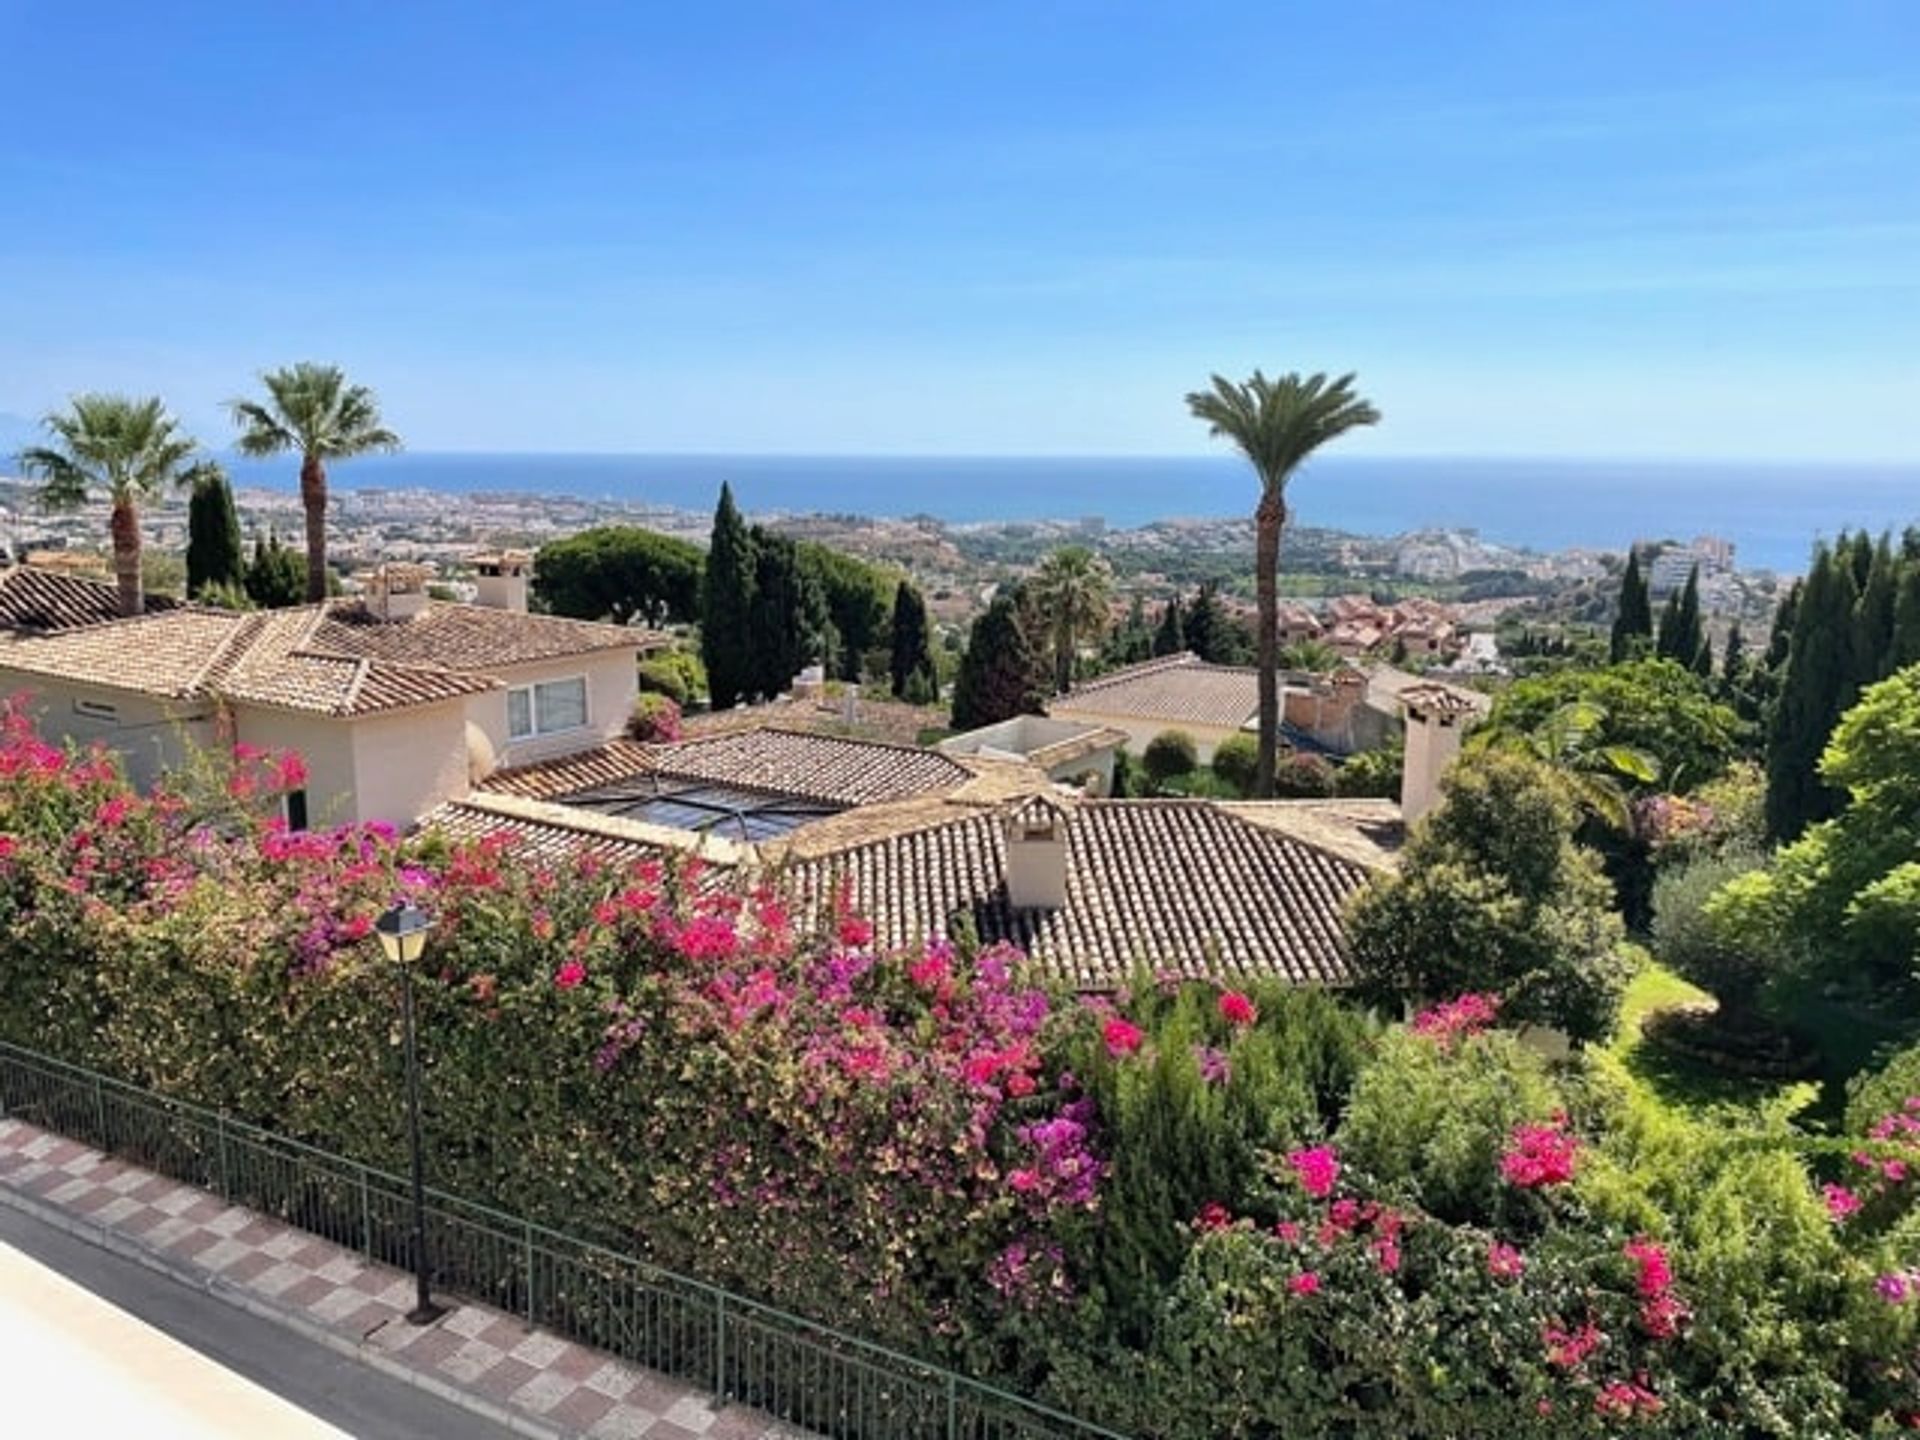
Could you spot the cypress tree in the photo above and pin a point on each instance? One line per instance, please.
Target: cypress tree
(1171, 637)
(1905, 647)
(995, 681)
(216, 554)
(277, 576)
(1667, 634)
(1680, 632)
(1781, 636)
(1873, 617)
(1817, 689)
(1203, 624)
(1731, 660)
(1633, 621)
(787, 620)
(726, 602)
(912, 663)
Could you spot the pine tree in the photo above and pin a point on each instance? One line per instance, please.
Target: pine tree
(911, 658)
(996, 678)
(1873, 617)
(1171, 636)
(1817, 689)
(216, 554)
(726, 638)
(1633, 622)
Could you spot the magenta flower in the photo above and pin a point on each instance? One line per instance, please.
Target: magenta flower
(1841, 1202)
(1213, 1216)
(1504, 1262)
(1317, 1169)
(1453, 1019)
(1307, 1282)
(1892, 1288)
(1215, 1068)
(570, 975)
(1236, 1009)
(1123, 1037)
(1539, 1156)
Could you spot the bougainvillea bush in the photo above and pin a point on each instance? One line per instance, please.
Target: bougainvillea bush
(1186, 1210)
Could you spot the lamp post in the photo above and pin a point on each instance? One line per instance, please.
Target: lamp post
(403, 936)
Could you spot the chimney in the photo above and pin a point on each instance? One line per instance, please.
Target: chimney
(1436, 716)
(501, 579)
(1037, 854)
(397, 591)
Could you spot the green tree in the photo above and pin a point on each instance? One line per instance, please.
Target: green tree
(311, 411)
(1493, 895)
(1072, 586)
(1816, 689)
(1309, 657)
(995, 681)
(1170, 636)
(130, 451)
(858, 598)
(620, 573)
(275, 578)
(1873, 617)
(216, 555)
(726, 605)
(912, 669)
(1236, 761)
(1132, 642)
(1904, 649)
(1633, 619)
(1680, 633)
(1650, 707)
(1276, 424)
(787, 620)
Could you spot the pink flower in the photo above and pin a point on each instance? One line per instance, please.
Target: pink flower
(1540, 1155)
(1237, 1009)
(1892, 1288)
(1656, 1274)
(291, 773)
(1316, 1168)
(1020, 1085)
(1307, 1282)
(1624, 1399)
(570, 974)
(1122, 1037)
(1568, 1349)
(8, 847)
(1024, 1181)
(1841, 1202)
(1662, 1316)
(1288, 1231)
(1386, 1254)
(1504, 1262)
(1453, 1019)
(855, 932)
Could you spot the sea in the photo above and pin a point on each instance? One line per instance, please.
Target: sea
(1772, 512)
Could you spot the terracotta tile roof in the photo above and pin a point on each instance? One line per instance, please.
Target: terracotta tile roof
(1185, 885)
(828, 768)
(1181, 884)
(1443, 699)
(38, 601)
(1387, 683)
(1367, 832)
(1173, 690)
(470, 637)
(266, 658)
(1074, 747)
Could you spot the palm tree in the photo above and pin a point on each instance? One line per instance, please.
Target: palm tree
(1597, 773)
(312, 411)
(1276, 424)
(132, 450)
(1073, 586)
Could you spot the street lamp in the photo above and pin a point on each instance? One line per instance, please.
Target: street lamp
(403, 936)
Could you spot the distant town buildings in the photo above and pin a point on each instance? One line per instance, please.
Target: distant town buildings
(1671, 566)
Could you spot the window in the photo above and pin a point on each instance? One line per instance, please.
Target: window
(296, 810)
(546, 708)
(96, 710)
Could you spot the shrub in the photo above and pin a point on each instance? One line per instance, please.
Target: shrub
(1700, 942)
(1431, 1119)
(1372, 774)
(1884, 1091)
(1234, 761)
(677, 674)
(1493, 896)
(1168, 754)
(654, 719)
(1303, 776)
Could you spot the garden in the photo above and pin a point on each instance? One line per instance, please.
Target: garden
(1179, 1211)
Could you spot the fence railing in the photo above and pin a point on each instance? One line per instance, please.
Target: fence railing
(807, 1374)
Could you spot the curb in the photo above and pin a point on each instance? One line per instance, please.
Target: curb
(105, 1237)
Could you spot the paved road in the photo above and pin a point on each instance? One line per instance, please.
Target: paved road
(353, 1397)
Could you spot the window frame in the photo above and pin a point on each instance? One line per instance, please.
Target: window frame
(538, 730)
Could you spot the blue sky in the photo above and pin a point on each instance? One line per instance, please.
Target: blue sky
(1623, 228)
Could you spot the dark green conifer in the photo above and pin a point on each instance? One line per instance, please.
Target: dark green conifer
(996, 677)
(726, 605)
(911, 669)
(216, 555)
(1633, 620)
(1818, 687)
(1171, 637)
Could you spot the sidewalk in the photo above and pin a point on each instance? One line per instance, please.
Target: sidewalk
(480, 1359)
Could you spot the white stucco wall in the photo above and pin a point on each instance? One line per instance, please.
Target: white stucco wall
(405, 764)
(612, 683)
(1140, 731)
(152, 736)
(325, 745)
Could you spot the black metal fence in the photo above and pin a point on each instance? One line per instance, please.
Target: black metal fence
(799, 1371)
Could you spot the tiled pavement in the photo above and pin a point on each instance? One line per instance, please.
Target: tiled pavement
(536, 1382)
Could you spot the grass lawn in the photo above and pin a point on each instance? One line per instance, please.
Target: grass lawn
(1686, 1085)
